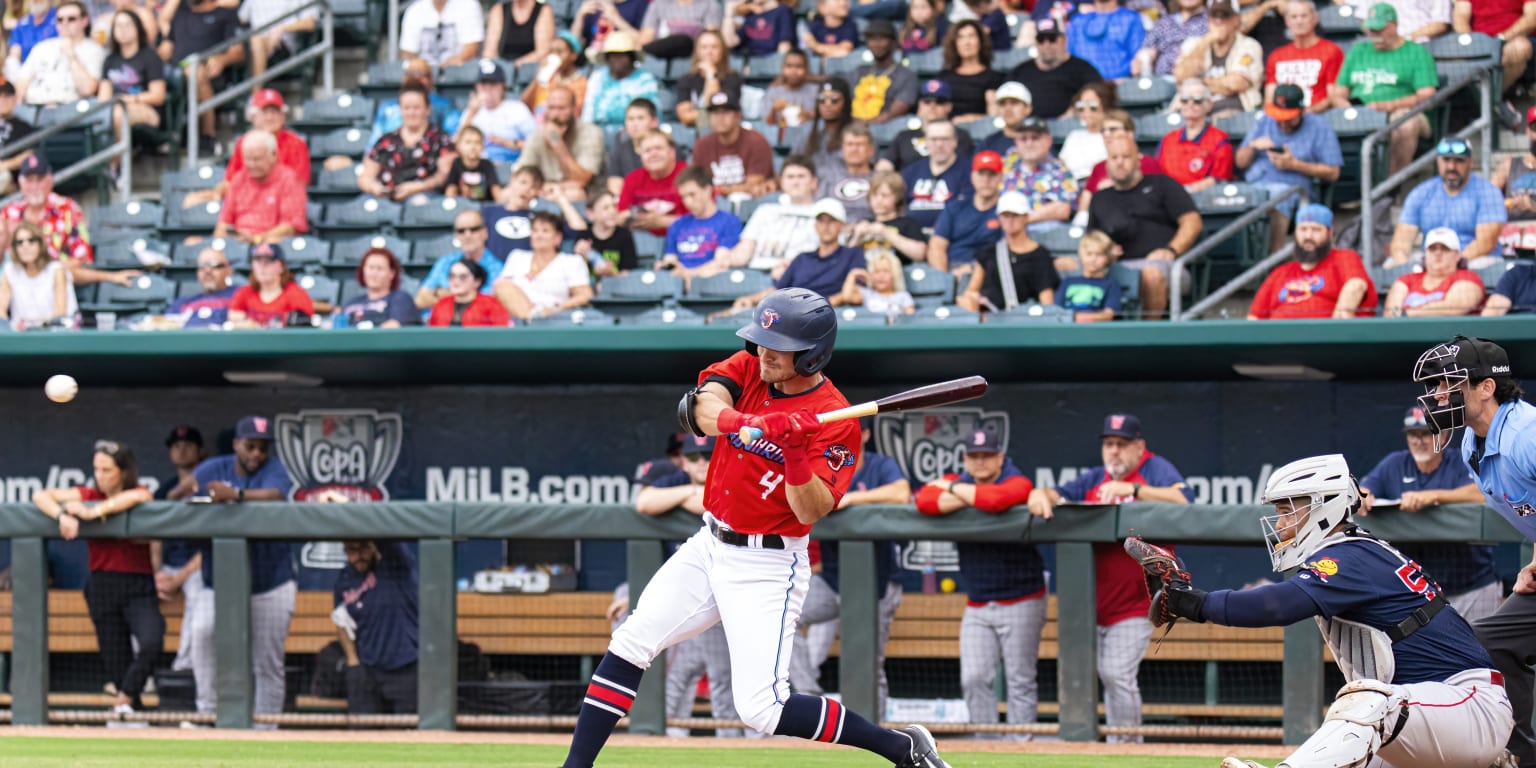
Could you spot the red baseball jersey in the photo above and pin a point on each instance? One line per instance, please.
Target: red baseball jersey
(745, 487)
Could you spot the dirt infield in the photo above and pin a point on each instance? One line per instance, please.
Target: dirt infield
(483, 737)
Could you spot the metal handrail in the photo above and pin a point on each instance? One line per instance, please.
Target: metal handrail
(1236, 284)
(1483, 125)
(324, 50)
(121, 147)
(393, 22)
(1234, 227)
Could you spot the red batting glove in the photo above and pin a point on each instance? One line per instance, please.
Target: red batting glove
(730, 421)
(775, 426)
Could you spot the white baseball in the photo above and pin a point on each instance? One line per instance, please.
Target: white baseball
(61, 388)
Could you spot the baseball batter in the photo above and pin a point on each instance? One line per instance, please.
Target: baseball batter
(747, 568)
(1421, 692)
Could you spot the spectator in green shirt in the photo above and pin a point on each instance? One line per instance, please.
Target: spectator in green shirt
(1391, 75)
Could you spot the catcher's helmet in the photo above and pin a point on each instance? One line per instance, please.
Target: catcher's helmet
(1331, 497)
(1461, 360)
(794, 320)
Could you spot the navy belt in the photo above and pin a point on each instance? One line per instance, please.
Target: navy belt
(735, 539)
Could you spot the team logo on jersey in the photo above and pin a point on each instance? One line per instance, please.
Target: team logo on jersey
(339, 454)
(770, 316)
(1322, 568)
(838, 456)
(1523, 510)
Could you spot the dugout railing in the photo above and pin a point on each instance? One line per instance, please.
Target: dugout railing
(436, 526)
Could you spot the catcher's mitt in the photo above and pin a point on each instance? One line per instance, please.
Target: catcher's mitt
(1168, 583)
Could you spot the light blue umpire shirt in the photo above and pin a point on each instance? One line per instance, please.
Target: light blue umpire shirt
(1506, 473)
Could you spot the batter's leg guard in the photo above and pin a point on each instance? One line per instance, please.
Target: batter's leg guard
(1365, 716)
(822, 719)
(609, 697)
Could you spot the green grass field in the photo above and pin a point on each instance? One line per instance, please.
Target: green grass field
(90, 752)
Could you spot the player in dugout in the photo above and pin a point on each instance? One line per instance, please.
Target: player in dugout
(761, 499)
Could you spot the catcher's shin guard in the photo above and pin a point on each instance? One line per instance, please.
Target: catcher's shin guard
(1365, 716)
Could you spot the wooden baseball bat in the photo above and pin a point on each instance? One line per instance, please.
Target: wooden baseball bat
(942, 393)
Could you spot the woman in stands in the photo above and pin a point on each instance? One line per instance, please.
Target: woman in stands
(968, 70)
(1084, 147)
(465, 305)
(543, 281)
(133, 72)
(416, 158)
(382, 303)
(1445, 287)
(120, 593)
(34, 287)
(272, 293)
(926, 26)
(709, 74)
(519, 31)
(834, 111)
(568, 74)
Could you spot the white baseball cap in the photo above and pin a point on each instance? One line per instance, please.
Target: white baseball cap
(830, 207)
(1013, 202)
(1443, 236)
(1014, 90)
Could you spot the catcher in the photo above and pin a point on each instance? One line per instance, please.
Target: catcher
(1421, 692)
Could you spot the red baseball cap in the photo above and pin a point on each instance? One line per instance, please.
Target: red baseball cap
(987, 161)
(267, 97)
(1530, 116)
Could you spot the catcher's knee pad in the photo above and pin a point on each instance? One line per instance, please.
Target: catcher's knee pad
(1365, 716)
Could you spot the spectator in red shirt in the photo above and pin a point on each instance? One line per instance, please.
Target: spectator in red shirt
(650, 199)
(1130, 473)
(1005, 583)
(272, 293)
(1511, 21)
(1199, 154)
(266, 112)
(1323, 282)
(62, 222)
(1308, 61)
(120, 593)
(465, 305)
(1445, 287)
(266, 202)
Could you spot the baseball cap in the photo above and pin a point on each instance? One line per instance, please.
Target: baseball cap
(254, 428)
(1313, 213)
(1286, 103)
(935, 89)
(1122, 425)
(1443, 236)
(1221, 8)
(828, 206)
(1414, 421)
(184, 432)
(1380, 16)
(1014, 90)
(267, 97)
(491, 72)
(983, 440)
(1482, 358)
(1047, 27)
(1013, 202)
(1035, 125)
(880, 27)
(723, 100)
(35, 165)
(694, 445)
(1530, 114)
(987, 160)
(269, 250)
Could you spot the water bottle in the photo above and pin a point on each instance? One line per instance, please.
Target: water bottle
(930, 578)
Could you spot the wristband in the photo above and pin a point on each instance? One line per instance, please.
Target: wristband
(240, 495)
(951, 488)
(797, 468)
(730, 421)
(1136, 490)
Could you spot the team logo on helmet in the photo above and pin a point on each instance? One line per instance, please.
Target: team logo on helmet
(770, 316)
(838, 456)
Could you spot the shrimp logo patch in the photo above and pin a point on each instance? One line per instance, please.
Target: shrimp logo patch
(838, 456)
(770, 316)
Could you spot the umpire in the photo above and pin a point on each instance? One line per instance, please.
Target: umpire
(1469, 382)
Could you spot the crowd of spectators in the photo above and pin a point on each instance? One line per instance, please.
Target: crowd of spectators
(635, 165)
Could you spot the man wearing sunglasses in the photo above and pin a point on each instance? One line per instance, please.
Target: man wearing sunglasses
(1391, 75)
(209, 309)
(470, 233)
(1458, 199)
(64, 68)
(934, 102)
(1054, 75)
(1230, 62)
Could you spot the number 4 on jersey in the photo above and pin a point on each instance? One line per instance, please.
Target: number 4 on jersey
(770, 481)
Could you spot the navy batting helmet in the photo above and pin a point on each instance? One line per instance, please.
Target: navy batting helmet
(794, 320)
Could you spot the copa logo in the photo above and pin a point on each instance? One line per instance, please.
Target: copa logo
(931, 443)
(339, 454)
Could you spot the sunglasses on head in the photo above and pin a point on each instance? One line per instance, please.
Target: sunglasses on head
(1453, 147)
(109, 447)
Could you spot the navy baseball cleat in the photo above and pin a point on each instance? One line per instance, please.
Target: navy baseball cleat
(925, 754)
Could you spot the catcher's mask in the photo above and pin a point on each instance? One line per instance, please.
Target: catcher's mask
(1312, 496)
(1443, 370)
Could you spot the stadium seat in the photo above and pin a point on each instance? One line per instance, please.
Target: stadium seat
(132, 215)
(847, 316)
(427, 251)
(1237, 126)
(1491, 273)
(647, 244)
(761, 70)
(184, 255)
(745, 210)
(1339, 23)
(715, 293)
(584, 317)
(925, 281)
(525, 74)
(845, 65)
(123, 252)
(664, 315)
(197, 177)
(1062, 126)
(186, 289)
(979, 130)
(683, 135)
(1031, 313)
(658, 68)
(330, 112)
(942, 315)
(1465, 46)
(362, 214)
(1384, 276)
(425, 216)
(336, 184)
(348, 253)
(885, 133)
(321, 288)
(383, 78)
(142, 293)
(1145, 95)
(928, 63)
(1006, 61)
(341, 142)
(1150, 130)
(631, 294)
(1060, 241)
(197, 220)
(304, 251)
(791, 138)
